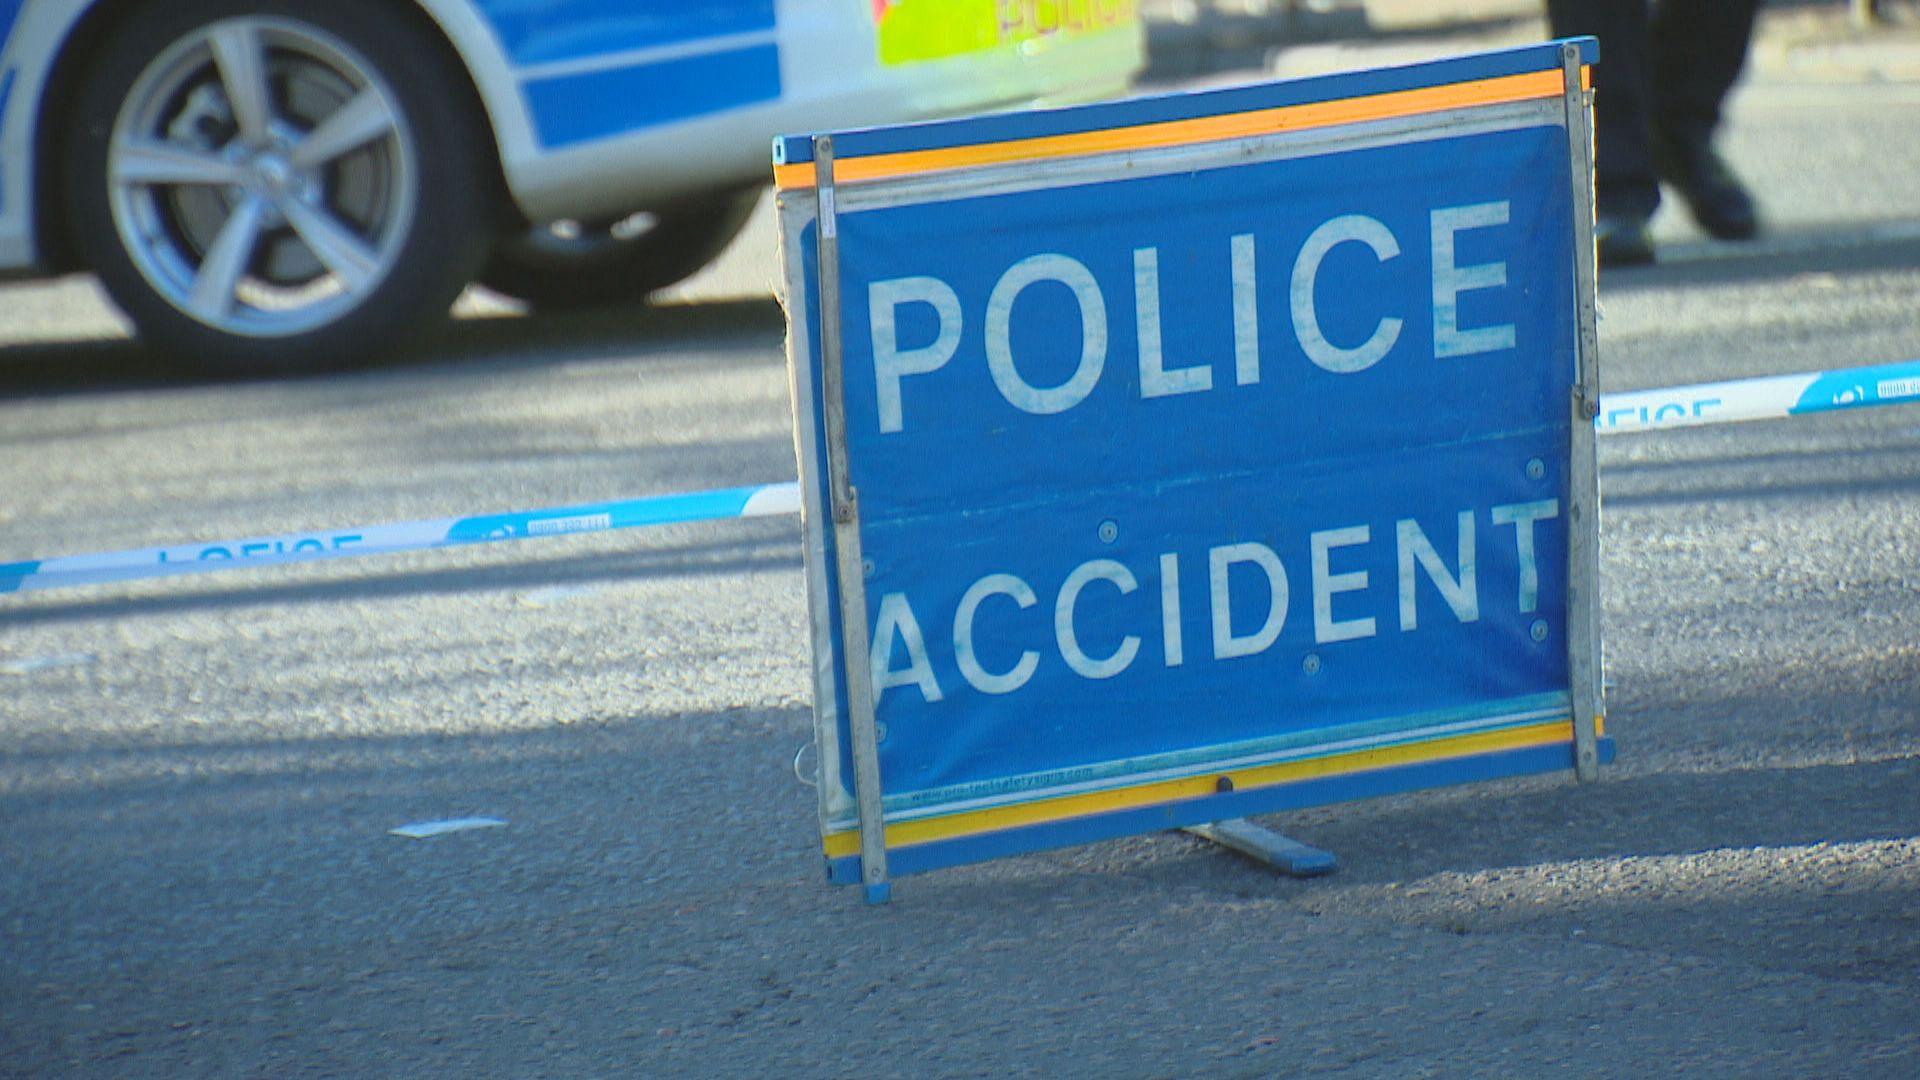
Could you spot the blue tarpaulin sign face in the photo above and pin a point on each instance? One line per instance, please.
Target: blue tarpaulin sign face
(1230, 466)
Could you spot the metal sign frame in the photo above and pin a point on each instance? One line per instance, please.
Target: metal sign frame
(823, 177)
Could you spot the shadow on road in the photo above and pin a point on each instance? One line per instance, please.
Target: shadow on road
(476, 345)
(485, 344)
(1838, 250)
(637, 330)
(774, 547)
(660, 872)
(1723, 473)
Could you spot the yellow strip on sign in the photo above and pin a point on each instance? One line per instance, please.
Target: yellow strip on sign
(1507, 88)
(953, 826)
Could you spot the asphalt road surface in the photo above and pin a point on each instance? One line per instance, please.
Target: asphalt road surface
(198, 776)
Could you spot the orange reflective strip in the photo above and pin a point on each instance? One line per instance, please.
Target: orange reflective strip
(1524, 87)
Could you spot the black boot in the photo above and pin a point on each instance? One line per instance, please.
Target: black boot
(1715, 196)
(1622, 239)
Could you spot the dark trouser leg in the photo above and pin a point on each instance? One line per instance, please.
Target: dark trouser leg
(1698, 48)
(1625, 180)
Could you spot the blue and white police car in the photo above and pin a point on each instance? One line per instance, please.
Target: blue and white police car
(280, 184)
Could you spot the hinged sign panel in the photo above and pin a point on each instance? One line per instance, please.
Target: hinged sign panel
(1190, 457)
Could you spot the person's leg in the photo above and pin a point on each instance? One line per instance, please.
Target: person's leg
(1627, 187)
(1698, 48)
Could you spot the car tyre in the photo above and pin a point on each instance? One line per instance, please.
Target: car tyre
(576, 264)
(273, 185)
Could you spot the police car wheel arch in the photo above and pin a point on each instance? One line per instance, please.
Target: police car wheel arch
(602, 262)
(271, 185)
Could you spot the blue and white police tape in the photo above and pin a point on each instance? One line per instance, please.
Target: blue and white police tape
(1759, 399)
(1641, 410)
(763, 501)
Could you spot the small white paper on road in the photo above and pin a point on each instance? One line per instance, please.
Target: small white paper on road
(556, 594)
(31, 664)
(420, 830)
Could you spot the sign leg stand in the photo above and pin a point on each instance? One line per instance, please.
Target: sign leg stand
(1584, 661)
(1268, 848)
(862, 725)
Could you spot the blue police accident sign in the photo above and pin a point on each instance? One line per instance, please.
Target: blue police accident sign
(1205, 455)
